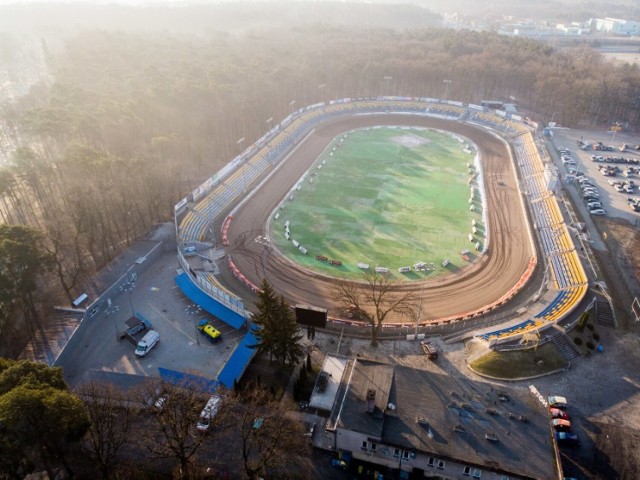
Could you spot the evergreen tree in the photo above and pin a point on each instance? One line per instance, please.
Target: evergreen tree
(265, 319)
(276, 330)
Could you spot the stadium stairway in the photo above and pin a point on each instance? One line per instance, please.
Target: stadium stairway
(604, 314)
(565, 345)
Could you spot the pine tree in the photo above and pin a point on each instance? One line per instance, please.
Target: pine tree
(265, 319)
(277, 331)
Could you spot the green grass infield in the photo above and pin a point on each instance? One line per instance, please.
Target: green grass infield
(387, 197)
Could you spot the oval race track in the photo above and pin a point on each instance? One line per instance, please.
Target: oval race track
(468, 290)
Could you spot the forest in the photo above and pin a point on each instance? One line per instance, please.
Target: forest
(125, 123)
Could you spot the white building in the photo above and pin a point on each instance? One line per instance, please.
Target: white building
(615, 26)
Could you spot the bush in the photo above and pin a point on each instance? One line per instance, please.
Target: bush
(590, 345)
(577, 341)
(596, 336)
(590, 326)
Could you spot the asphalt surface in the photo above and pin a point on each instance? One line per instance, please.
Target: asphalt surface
(159, 300)
(614, 203)
(464, 291)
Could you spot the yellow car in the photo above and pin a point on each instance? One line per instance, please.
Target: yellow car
(209, 330)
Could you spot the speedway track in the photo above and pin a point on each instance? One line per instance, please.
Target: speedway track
(456, 295)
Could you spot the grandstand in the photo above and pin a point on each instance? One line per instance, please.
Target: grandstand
(567, 274)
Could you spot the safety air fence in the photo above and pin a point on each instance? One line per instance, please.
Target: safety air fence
(209, 202)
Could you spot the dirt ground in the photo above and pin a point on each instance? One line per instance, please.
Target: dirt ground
(623, 242)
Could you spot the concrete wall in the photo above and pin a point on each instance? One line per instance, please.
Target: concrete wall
(395, 457)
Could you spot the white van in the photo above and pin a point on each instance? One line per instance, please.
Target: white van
(147, 343)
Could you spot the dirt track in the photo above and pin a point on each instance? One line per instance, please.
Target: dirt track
(467, 290)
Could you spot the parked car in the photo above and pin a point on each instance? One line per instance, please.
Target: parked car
(160, 401)
(598, 211)
(561, 425)
(557, 401)
(150, 339)
(208, 412)
(594, 205)
(567, 439)
(557, 413)
(619, 188)
(209, 331)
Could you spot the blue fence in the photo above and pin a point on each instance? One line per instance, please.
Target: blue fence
(207, 303)
(239, 361)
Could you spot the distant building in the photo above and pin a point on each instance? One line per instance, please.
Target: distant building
(615, 26)
(435, 426)
(572, 29)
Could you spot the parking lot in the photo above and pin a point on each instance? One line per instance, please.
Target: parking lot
(609, 178)
(157, 299)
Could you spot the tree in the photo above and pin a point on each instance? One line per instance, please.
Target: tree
(277, 329)
(15, 373)
(259, 433)
(110, 416)
(22, 260)
(39, 417)
(378, 294)
(176, 435)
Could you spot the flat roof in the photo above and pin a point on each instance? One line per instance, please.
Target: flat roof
(452, 418)
(334, 367)
(365, 376)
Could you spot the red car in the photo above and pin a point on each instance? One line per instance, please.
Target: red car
(557, 413)
(560, 425)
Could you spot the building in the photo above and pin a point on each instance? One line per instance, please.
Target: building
(615, 26)
(431, 425)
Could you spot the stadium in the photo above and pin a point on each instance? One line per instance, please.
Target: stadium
(232, 216)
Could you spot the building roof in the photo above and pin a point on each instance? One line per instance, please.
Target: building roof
(366, 379)
(324, 398)
(450, 418)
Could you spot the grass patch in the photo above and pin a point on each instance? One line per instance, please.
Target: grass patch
(524, 363)
(388, 197)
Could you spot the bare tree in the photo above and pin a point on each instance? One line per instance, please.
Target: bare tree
(378, 296)
(110, 415)
(176, 417)
(260, 433)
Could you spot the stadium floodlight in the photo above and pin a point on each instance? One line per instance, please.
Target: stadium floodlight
(446, 91)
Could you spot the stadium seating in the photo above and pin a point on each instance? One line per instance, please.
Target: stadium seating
(567, 274)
